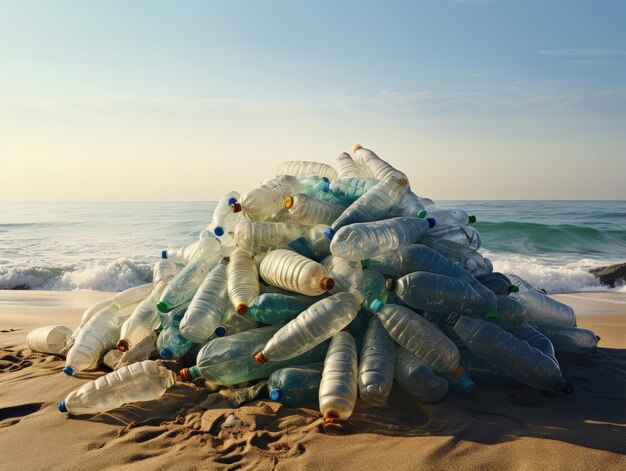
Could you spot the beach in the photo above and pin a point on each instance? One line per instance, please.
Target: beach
(491, 428)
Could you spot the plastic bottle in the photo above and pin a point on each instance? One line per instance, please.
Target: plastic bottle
(510, 312)
(229, 360)
(49, 339)
(360, 241)
(338, 387)
(277, 308)
(534, 338)
(465, 236)
(267, 199)
(182, 255)
(224, 219)
(418, 379)
(318, 323)
(309, 211)
(498, 283)
(182, 288)
(571, 339)
(345, 274)
(233, 323)
(303, 168)
(347, 191)
(376, 367)
(163, 270)
(243, 280)
(136, 382)
(439, 293)
(507, 353)
(170, 343)
(348, 168)
(484, 372)
(295, 386)
(373, 205)
(410, 205)
(449, 217)
(208, 305)
(260, 236)
(373, 286)
(541, 309)
(316, 187)
(466, 258)
(293, 272)
(378, 168)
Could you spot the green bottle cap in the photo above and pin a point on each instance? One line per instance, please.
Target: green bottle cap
(422, 214)
(365, 263)
(492, 315)
(162, 306)
(513, 289)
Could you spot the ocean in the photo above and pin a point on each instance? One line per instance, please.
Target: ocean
(112, 246)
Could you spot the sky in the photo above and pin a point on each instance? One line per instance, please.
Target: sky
(155, 100)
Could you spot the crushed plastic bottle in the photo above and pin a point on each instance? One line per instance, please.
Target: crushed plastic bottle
(418, 379)
(295, 386)
(293, 272)
(338, 387)
(376, 368)
(136, 382)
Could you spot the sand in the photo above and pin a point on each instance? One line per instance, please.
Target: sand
(492, 428)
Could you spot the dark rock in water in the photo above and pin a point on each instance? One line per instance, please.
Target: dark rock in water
(20, 287)
(610, 275)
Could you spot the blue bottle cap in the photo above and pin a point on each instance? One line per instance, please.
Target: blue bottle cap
(431, 222)
(62, 407)
(163, 253)
(232, 201)
(376, 305)
(166, 354)
(275, 394)
(68, 370)
(329, 233)
(219, 231)
(465, 382)
(220, 331)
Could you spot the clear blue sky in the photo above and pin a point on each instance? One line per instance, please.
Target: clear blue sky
(153, 100)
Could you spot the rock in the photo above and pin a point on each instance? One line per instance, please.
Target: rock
(112, 358)
(611, 275)
(232, 421)
(238, 397)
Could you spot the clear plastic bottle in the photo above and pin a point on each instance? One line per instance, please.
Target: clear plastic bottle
(317, 187)
(170, 343)
(465, 236)
(182, 288)
(229, 360)
(293, 272)
(498, 283)
(410, 205)
(309, 211)
(338, 387)
(418, 379)
(571, 339)
(318, 323)
(265, 200)
(348, 168)
(534, 338)
(243, 280)
(233, 323)
(373, 286)
(347, 191)
(163, 270)
(182, 255)
(360, 241)
(449, 217)
(261, 236)
(444, 294)
(278, 308)
(295, 386)
(542, 309)
(466, 258)
(373, 205)
(507, 353)
(378, 168)
(376, 367)
(510, 312)
(484, 372)
(49, 339)
(345, 274)
(208, 305)
(224, 219)
(303, 168)
(144, 381)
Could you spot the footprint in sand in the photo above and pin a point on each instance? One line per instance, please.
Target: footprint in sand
(12, 415)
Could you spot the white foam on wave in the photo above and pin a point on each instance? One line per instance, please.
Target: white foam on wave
(115, 275)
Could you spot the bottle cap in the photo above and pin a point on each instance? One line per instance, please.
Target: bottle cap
(231, 201)
(356, 147)
(376, 305)
(365, 263)
(166, 354)
(220, 331)
(422, 213)
(431, 222)
(390, 284)
(465, 382)
(163, 253)
(260, 358)
(513, 289)
(68, 370)
(327, 283)
(185, 375)
(62, 407)
(241, 308)
(326, 186)
(219, 231)
(276, 394)
(288, 202)
(123, 345)
(236, 207)
(472, 219)
(492, 315)
(162, 306)
(330, 233)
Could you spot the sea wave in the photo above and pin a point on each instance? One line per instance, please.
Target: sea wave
(116, 275)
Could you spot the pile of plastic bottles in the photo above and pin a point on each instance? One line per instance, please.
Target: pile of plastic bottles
(332, 283)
